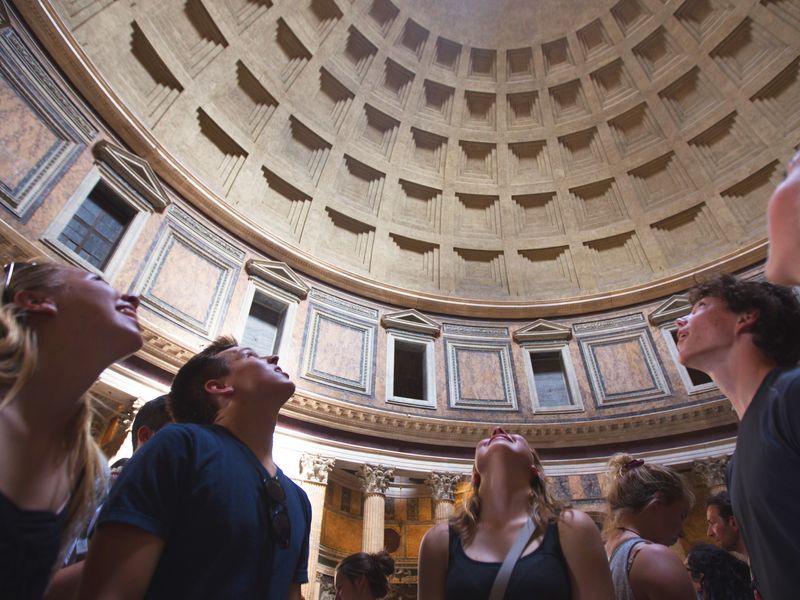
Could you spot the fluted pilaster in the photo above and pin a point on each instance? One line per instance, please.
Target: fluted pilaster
(314, 471)
(375, 480)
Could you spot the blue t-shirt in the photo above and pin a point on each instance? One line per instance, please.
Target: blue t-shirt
(201, 490)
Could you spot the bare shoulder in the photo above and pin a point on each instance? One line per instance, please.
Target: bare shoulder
(437, 538)
(658, 572)
(572, 521)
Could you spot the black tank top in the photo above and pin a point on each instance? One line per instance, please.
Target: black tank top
(541, 574)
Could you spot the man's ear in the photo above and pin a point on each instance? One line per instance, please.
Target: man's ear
(143, 434)
(746, 320)
(218, 387)
(36, 302)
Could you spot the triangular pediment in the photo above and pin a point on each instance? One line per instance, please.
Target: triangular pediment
(278, 274)
(135, 171)
(669, 310)
(411, 320)
(542, 330)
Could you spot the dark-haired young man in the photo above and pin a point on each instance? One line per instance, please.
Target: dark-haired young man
(722, 527)
(203, 511)
(746, 336)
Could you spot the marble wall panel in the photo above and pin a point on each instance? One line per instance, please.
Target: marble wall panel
(480, 375)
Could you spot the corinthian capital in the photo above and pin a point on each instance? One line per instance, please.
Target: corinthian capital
(375, 479)
(315, 468)
(443, 485)
(711, 471)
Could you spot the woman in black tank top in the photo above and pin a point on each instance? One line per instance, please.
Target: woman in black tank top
(565, 559)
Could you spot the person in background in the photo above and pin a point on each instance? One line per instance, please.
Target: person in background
(722, 526)
(363, 576)
(647, 504)
(783, 223)
(717, 574)
(745, 334)
(60, 327)
(562, 555)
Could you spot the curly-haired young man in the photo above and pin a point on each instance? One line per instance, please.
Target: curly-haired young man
(203, 511)
(746, 336)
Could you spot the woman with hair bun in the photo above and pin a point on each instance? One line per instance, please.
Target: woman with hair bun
(512, 539)
(60, 327)
(363, 576)
(647, 504)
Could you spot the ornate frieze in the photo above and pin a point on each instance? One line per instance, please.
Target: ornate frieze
(712, 472)
(443, 486)
(375, 479)
(315, 468)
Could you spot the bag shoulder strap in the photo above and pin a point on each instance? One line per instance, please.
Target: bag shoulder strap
(504, 574)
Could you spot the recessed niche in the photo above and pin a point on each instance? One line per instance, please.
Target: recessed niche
(630, 15)
(779, 100)
(246, 12)
(348, 238)
(725, 145)
(323, 16)
(519, 63)
(530, 161)
(657, 53)
(524, 110)
(358, 53)
(197, 38)
(220, 154)
(361, 184)
(153, 82)
(396, 82)
(483, 63)
(747, 51)
(557, 55)
(413, 38)
(597, 204)
(480, 271)
(428, 150)
(383, 13)
(477, 161)
(333, 99)
(247, 103)
(295, 55)
(618, 257)
(414, 259)
(379, 130)
(546, 268)
(593, 39)
(690, 97)
(660, 181)
(689, 234)
(477, 215)
(418, 206)
(613, 83)
(537, 215)
(305, 148)
(635, 130)
(747, 200)
(480, 110)
(285, 201)
(786, 11)
(447, 54)
(582, 150)
(437, 100)
(702, 17)
(568, 101)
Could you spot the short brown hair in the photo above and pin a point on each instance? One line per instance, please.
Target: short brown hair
(188, 400)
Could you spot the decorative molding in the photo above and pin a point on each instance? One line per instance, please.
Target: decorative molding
(443, 486)
(672, 308)
(342, 304)
(411, 320)
(712, 472)
(500, 351)
(456, 329)
(375, 479)
(315, 468)
(622, 322)
(165, 353)
(135, 171)
(542, 330)
(279, 274)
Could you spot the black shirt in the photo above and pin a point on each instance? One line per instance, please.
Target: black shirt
(541, 574)
(765, 484)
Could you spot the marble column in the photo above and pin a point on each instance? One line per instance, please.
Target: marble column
(375, 481)
(711, 472)
(314, 471)
(443, 488)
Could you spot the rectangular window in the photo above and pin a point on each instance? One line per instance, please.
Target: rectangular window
(389, 513)
(697, 378)
(262, 331)
(410, 369)
(345, 503)
(550, 379)
(96, 228)
(413, 509)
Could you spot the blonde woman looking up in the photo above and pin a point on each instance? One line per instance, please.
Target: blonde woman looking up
(60, 327)
(647, 504)
(562, 558)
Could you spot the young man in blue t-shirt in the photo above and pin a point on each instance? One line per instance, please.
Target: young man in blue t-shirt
(203, 511)
(746, 336)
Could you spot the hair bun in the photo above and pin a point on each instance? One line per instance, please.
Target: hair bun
(383, 562)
